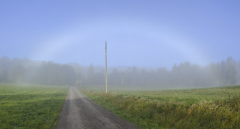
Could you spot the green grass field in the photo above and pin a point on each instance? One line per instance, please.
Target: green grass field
(30, 106)
(213, 108)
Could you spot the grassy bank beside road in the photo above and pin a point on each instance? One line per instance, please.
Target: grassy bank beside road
(194, 108)
(30, 107)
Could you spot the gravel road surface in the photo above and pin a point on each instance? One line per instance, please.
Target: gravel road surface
(79, 112)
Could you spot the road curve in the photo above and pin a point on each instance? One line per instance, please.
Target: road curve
(79, 112)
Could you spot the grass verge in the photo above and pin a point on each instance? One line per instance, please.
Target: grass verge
(30, 107)
(213, 108)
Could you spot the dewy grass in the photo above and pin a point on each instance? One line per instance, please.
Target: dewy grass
(196, 108)
(30, 107)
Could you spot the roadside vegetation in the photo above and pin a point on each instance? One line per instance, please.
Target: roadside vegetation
(212, 108)
(30, 106)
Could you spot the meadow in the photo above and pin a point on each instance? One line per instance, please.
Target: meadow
(213, 108)
(30, 106)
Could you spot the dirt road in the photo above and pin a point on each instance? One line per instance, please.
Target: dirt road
(79, 112)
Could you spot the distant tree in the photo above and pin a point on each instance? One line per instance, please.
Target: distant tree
(223, 72)
(114, 77)
(174, 74)
(238, 71)
(69, 75)
(18, 74)
(122, 77)
(134, 74)
(231, 71)
(91, 74)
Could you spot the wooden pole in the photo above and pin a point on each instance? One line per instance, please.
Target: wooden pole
(106, 62)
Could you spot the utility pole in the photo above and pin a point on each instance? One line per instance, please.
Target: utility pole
(106, 62)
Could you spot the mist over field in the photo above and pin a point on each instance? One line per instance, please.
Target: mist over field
(122, 64)
(157, 44)
(183, 75)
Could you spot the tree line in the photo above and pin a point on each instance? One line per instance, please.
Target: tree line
(35, 72)
(226, 72)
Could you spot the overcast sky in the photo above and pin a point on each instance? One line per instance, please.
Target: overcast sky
(139, 33)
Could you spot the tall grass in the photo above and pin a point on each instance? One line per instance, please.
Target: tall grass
(30, 106)
(221, 112)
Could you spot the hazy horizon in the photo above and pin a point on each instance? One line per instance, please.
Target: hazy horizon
(124, 67)
(226, 72)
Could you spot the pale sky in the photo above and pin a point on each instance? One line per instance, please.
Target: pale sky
(139, 33)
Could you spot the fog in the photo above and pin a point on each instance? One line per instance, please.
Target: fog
(183, 75)
(157, 44)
